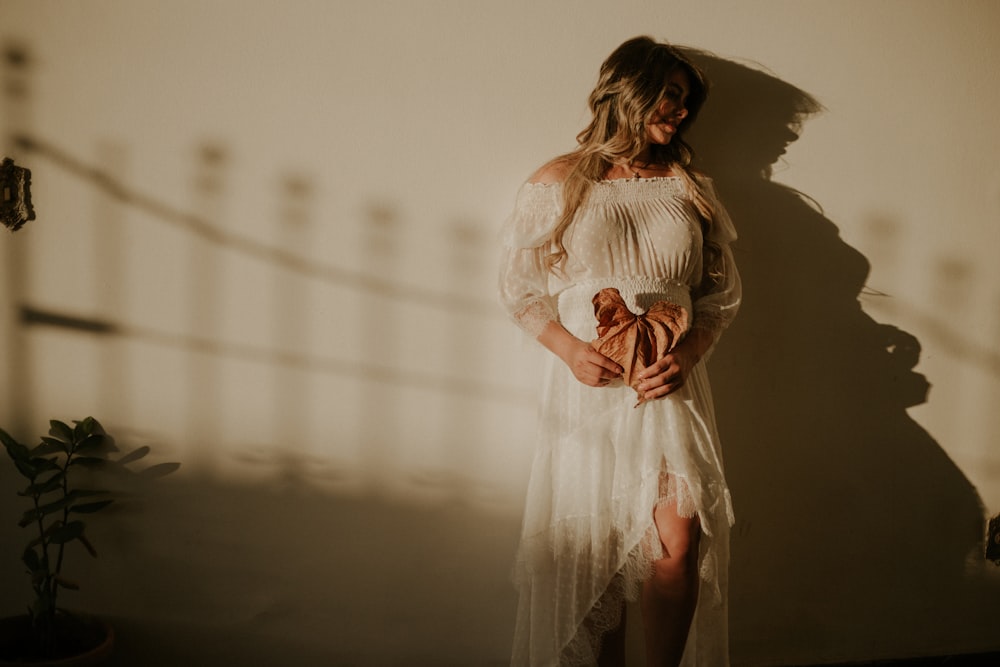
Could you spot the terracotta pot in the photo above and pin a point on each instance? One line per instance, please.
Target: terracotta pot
(85, 642)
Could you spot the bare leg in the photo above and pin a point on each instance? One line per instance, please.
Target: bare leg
(670, 595)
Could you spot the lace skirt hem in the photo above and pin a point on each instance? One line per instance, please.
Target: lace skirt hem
(588, 538)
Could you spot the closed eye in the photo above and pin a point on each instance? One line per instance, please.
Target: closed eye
(675, 93)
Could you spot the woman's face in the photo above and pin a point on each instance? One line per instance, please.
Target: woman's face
(667, 117)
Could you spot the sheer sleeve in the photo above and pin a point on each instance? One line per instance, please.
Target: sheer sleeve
(716, 304)
(523, 283)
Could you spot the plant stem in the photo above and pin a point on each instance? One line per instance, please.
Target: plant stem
(35, 500)
(45, 619)
(62, 547)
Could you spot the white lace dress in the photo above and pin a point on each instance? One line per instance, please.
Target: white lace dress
(601, 464)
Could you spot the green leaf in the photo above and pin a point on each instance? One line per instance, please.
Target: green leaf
(50, 446)
(90, 508)
(30, 517)
(95, 443)
(134, 455)
(61, 431)
(159, 470)
(65, 501)
(48, 470)
(45, 472)
(26, 468)
(67, 583)
(90, 427)
(15, 450)
(31, 559)
(41, 487)
(86, 426)
(57, 505)
(43, 465)
(66, 532)
(9, 442)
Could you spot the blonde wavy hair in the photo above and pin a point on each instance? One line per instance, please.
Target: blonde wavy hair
(631, 84)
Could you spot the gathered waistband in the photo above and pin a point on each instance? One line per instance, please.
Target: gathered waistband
(576, 308)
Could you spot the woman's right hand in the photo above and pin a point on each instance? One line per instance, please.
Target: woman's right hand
(587, 364)
(590, 366)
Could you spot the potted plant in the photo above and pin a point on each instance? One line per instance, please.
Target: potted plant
(61, 472)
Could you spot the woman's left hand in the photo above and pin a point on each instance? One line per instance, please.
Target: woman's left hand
(669, 374)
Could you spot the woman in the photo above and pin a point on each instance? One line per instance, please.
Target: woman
(626, 500)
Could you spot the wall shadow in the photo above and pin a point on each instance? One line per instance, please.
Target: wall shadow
(303, 568)
(198, 571)
(857, 537)
(296, 570)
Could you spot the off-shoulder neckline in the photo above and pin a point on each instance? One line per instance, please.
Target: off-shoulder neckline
(651, 179)
(610, 181)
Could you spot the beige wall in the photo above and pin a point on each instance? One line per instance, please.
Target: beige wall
(287, 210)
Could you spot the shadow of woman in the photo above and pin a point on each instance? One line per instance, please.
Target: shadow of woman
(854, 528)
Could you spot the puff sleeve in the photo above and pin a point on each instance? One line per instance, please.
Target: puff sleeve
(524, 280)
(716, 303)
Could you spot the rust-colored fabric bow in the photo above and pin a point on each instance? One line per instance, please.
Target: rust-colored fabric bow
(636, 341)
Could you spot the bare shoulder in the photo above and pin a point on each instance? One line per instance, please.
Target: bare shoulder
(553, 171)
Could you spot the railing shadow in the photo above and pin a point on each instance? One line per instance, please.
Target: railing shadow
(281, 570)
(846, 507)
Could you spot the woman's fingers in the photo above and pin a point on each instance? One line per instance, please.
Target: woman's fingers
(669, 386)
(595, 370)
(609, 369)
(595, 376)
(657, 368)
(661, 378)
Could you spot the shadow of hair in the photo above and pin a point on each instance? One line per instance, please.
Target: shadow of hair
(845, 505)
